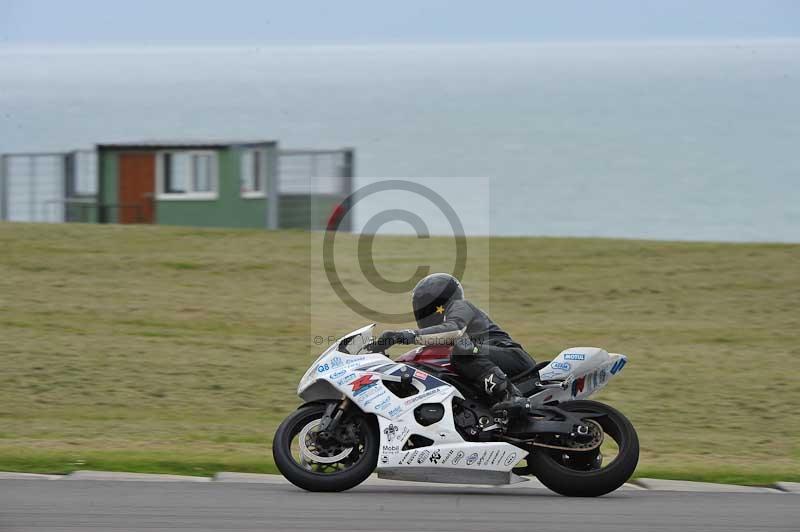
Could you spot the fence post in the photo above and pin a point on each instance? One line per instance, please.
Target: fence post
(3, 189)
(349, 172)
(32, 188)
(70, 182)
(101, 189)
(272, 186)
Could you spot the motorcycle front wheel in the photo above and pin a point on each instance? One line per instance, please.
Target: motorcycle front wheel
(317, 461)
(577, 473)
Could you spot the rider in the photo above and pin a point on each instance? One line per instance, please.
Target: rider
(482, 351)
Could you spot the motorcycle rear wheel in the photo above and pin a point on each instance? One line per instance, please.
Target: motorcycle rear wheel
(342, 468)
(550, 468)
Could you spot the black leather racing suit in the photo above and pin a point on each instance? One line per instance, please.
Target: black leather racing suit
(495, 346)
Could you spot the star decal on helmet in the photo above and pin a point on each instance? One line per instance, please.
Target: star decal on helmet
(440, 309)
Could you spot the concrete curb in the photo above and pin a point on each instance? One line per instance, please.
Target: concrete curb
(373, 480)
(26, 476)
(112, 475)
(788, 487)
(681, 485)
(255, 478)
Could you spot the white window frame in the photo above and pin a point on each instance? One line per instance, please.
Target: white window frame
(243, 160)
(191, 195)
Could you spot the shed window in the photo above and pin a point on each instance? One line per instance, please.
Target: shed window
(201, 173)
(254, 173)
(187, 175)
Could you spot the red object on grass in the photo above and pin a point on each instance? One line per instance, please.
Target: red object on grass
(336, 217)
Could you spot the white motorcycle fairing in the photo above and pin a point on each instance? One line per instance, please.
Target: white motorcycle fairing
(580, 372)
(450, 458)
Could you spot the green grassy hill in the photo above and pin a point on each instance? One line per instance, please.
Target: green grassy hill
(179, 350)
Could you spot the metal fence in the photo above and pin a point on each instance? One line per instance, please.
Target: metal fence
(312, 184)
(46, 187)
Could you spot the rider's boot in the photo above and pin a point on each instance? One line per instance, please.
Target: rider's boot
(510, 401)
(496, 384)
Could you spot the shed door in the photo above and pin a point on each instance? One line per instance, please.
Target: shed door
(137, 186)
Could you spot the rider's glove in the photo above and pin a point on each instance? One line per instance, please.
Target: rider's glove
(389, 338)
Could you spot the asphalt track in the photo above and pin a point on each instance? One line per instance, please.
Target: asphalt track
(112, 506)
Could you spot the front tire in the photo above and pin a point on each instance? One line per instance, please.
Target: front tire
(584, 481)
(357, 464)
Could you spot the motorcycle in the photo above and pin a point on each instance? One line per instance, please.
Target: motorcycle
(414, 419)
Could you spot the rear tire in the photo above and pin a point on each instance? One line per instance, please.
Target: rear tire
(308, 480)
(593, 483)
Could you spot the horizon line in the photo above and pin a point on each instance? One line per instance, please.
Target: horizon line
(233, 45)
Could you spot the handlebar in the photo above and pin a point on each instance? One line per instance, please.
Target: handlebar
(375, 347)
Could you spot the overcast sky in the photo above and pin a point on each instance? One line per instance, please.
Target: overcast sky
(111, 22)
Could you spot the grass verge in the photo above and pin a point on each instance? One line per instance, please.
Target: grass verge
(178, 350)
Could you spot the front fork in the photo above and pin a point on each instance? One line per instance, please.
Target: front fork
(332, 418)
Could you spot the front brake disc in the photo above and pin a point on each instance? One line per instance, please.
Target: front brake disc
(312, 456)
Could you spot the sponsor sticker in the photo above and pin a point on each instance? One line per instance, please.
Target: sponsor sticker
(618, 365)
(578, 385)
(589, 382)
(421, 375)
(420, 397)
(391, 431)
(563, 366)
(364, 383)
(394, 412)
(471, 459)
(435, 456)
(480, 461)
(384, 459)
(458, 457)
(336, 362)
(369, 396)
(373, 395)
(323, 368)
(512, 458)
(410, 455)
(393, 449)
(448, 455)
(347, 378)
(574, 356)
(383, 404)
(598, 378)
(423, 456)
(337, 374)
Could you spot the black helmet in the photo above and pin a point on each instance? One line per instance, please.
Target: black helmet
(431, 296)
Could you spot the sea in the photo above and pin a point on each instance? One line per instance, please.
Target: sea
(685, 140)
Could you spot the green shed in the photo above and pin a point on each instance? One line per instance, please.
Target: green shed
(220, 184)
